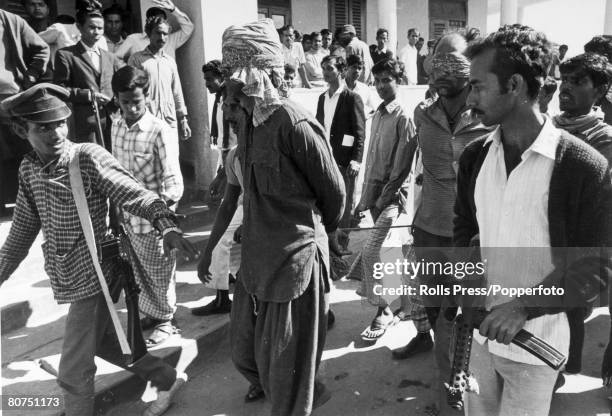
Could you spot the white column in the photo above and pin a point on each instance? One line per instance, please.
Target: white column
(608, 18)
(509, 12)
(387, 19)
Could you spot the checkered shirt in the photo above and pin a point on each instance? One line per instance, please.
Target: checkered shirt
(45, 201)
(149, 150)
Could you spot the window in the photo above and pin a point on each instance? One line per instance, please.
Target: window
(344, 12)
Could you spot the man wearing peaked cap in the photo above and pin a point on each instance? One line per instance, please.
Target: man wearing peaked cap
(45, 201)
(279, 311)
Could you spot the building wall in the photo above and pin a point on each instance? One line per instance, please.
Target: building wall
(412, 13)
(309, 15)
(477, 12)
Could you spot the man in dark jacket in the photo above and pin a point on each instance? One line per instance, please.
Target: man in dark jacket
(527, 185)
(340, 112)
(23, 59)
(86, 71)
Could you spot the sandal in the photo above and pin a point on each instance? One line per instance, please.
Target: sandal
(376, 330)
(254, 393)
(161, 333)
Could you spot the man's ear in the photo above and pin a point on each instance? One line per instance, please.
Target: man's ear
(515, 83)
(20, 127)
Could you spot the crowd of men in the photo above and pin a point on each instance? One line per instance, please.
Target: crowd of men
(85, 108)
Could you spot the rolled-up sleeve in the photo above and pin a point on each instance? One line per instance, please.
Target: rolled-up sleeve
(167, 149)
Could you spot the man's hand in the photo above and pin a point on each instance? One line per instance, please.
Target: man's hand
(185, 130)
(238, 234)
(203, 267)
(28, 81)
(101, 98)
(217, 186)
(504, 322)
(353, 169)
(164, 4)
(175, 241)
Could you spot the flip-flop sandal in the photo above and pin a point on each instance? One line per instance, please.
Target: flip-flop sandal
(254, 393)
(375, 330)
(160, 334)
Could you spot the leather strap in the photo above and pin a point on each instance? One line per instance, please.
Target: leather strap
(78, 191)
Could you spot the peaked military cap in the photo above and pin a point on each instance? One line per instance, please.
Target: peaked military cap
(42, 103)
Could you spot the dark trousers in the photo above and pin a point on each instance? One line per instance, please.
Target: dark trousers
(90, 332)
(279, 345)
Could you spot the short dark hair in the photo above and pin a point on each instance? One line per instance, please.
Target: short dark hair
(128, 78)
(155, 11)
(325, 32)
(518, 50)
(46, 2)
(391, 66)
(592, 65)
(306, 36)
(289, 69)
(601, 45)
(65, 19)
(313, 35)
(550, 86)
(114, 9)
(413, 30)
(153, 22)
(213, 66)
(87, 9)
(354, 60)
(471, 34)
(563, 47)
(380, 31)
(285, 28)
(338, 62)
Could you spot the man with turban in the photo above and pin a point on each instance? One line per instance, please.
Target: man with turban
(444, 127)
(293, 196)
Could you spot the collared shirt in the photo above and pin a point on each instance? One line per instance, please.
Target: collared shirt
(293, 194)
(314, 72)
(387, 164)
(512, 212)
(113, 46)
(136, 42)
(149, 151)
(329, 107)
(441, 148)
(165, 92)
(45, 201)
(408, 55)
(295, 57)
(359, 47)
(94, 55)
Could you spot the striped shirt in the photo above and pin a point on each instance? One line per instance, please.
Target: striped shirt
(512, 213)
(45, 201)
(165, 92)
(441, 146)
(150, 152)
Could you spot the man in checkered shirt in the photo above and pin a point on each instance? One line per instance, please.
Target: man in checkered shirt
(45, 201)
(146, 146)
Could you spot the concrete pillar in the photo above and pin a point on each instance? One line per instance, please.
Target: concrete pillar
(210, 19)
(478, 12)
(509, 12)
(608, 18)
(387, 18)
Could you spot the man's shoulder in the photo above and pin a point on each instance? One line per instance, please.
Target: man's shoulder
(69, 50)
(577, 154)
(473, 149)
(425, 105)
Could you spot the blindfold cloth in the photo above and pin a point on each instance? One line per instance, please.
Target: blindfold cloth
(453, 63)
(251, 53)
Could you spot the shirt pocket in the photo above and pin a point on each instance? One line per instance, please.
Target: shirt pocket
(143, 165)
(266, 171)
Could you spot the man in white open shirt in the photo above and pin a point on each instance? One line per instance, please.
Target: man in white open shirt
(534, 194)
(408, 55)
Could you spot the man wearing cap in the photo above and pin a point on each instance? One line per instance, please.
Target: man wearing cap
(45, 201)
(354, 46)
(136, 42)
(293, 196)
(23, 59)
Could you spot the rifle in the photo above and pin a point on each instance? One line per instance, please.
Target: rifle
(461, 380)
(96, 110)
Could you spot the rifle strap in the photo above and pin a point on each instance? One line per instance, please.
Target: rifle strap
(78, 191)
